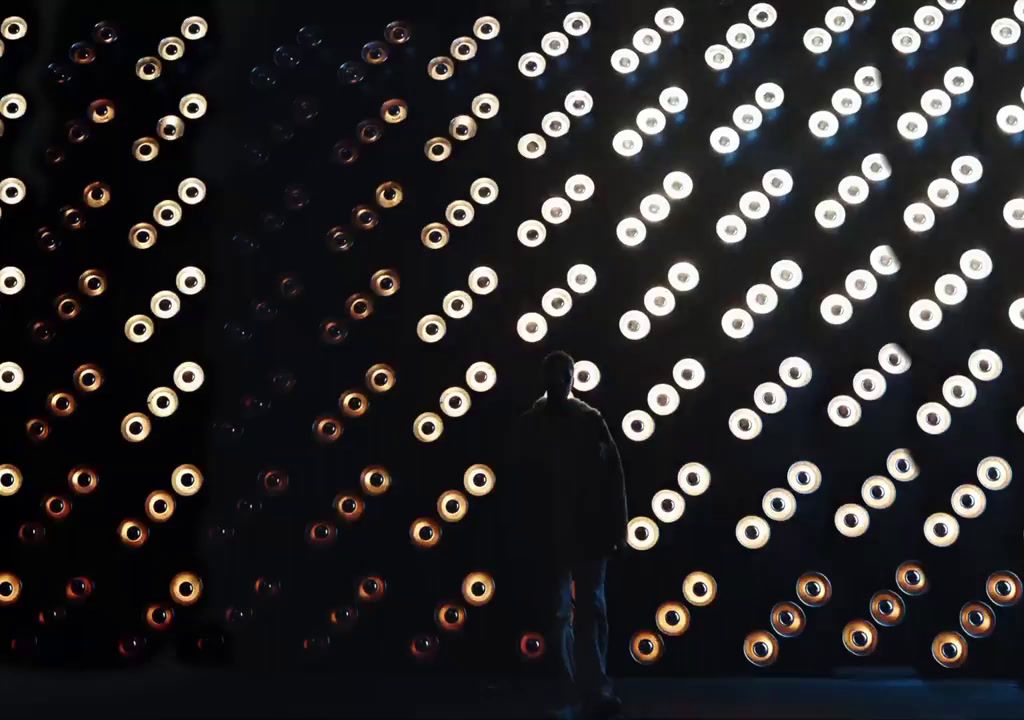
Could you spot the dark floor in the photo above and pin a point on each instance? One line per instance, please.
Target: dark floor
(211, 693)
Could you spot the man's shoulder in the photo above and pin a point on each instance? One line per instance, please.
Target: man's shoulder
(584, 408)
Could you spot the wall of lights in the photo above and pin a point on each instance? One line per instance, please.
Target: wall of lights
(275, 286)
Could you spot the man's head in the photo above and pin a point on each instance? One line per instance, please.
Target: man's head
(558, 375)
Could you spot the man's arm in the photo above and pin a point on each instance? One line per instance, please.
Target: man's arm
(614, 487)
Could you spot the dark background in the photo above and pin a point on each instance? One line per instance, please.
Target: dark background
(252, 145)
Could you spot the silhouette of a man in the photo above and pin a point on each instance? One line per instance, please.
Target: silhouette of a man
(571, 479)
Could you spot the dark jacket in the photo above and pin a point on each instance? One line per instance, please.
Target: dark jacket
(569, 494)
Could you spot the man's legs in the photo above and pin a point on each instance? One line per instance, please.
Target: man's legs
(562, 638)
(591, 630)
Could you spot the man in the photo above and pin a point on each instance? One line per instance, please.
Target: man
(570, 480)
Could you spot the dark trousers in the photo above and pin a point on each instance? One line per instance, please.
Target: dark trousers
(581, 642)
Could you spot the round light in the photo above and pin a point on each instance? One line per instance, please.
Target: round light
(587, 376)
(901, 466)
(737, 323)
(1013, 213)
(1010, 119)
(578, 103)
(770, 398)
(482, 280)
(651, 121)
(659, 301)
(554, 43)
(668, 505)
(531, 233)
(829, 214)
(985, 365)
(1005, 31)
(778, 504)
(532, 327)
(731, 229)
(861, 284)
(481, 376)
(925, 314)
(906, 40)
(935, 103)
(769, 96)
(943, 192)
(654, 208)
(933, 418)
(642, 533)
(786, 275)
(576, 24)
(532, 64)
(941, 529)
(745, 424)
(753, 532)
(637, 425)
(878, 492)
(966, 170)
(1016, 313)
(994, 473)
(852, 520)
(958, 80)
(677, 185)
(817, 40)
(846, 101)
(669, 19)
(581, 279)
(823, 124)
(919, 217)
(740, 36)
(912, 125)
(634, 325)
(673, 99)
(928, 18)
(683, 277)
(838, 19)
(762, 299)
(975, 264)
(754, 204)
(724, 140)
(457, 304)
(646, 40)
(746, 117)
(718, 57)
(777, 182)
(804, 477)
(876, 167)
(555, 124)
(836, 309)
(555, 210)
(625, 61)
(853, 190)
(631, 231)
(968, 501)
(579, 188)
(844, 411)
(762, 15)
(893, 359)
(556, 302)
(884, 261)
(663, 399)
(867, 79)
(688, 374)
(869, 384)
(950, 289)
(693, 479)
(531, 146)
(627, 143)
(431, 328)
(959, 391)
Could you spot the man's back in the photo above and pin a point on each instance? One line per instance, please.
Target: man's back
(570, 478)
